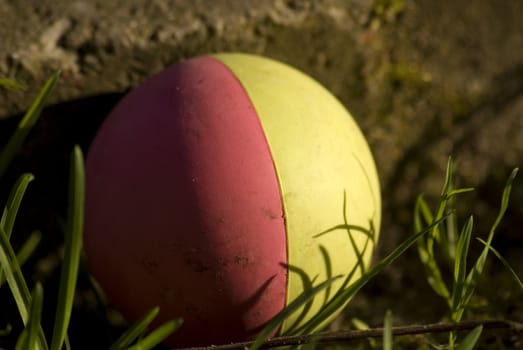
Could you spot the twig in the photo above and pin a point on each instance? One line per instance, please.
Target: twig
(345, 336)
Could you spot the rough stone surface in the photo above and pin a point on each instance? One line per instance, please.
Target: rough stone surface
(425, 79)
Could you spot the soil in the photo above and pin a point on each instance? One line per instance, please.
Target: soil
(424, 79)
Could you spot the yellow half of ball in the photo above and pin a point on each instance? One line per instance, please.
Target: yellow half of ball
(328, 179)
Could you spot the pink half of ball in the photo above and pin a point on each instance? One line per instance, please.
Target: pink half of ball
(183, 207)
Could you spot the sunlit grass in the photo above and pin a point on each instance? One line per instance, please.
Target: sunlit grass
(435, 231)
(454, 247)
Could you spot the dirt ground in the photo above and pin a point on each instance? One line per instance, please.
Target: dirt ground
(424, 79)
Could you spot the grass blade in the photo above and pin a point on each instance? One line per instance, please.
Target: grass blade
(17, 284)
(362, 326)
(471, 339)
(35, 316)
(328, 270)
(14, 276)
(158, 335)
(351, 273)
(387, 331)
(422, 214)
(475, 273)
(13, 203)
(425, 245)
(12, 84)
(307, 284)
(21, 341)
(447, 193)
(11, 209)
(343, 296)
(29, 246)
(10, 212)
(359, 324)
(459, 191)
(72, 250)
(505, 262)
(447, 187)
(300, 301)
(460, 266)
(25, 252)
(135, 331)
(26, 124)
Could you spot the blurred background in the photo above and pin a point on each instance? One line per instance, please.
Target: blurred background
(424, 79)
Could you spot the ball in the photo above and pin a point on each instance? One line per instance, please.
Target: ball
(220, 190)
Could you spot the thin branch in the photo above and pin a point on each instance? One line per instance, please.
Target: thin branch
(345, 336)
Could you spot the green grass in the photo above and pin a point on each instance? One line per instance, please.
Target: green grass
(436, 235)
(454, 247)
(30, 304)
(387, 332)
(26, 124)
(505, 263)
